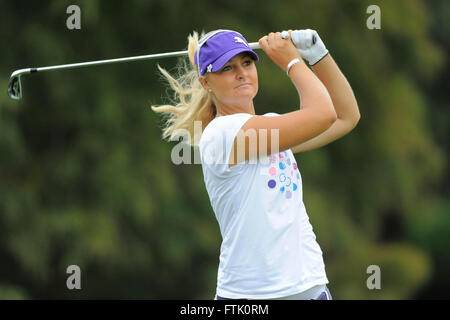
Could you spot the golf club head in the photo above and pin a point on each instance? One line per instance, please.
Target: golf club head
(15, 88)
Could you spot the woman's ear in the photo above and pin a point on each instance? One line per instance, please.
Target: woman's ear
(204, 83)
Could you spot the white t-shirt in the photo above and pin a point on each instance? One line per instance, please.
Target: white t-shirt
(269, 249)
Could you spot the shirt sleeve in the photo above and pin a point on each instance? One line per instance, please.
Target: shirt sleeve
(217, 142)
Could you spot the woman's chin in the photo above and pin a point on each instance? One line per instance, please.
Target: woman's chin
(248, 94)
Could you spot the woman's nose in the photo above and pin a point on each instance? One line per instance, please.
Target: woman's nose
(241, 72)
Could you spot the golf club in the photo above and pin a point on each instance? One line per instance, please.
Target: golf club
(15, 85)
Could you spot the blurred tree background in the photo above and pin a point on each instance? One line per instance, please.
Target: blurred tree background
(85, 178)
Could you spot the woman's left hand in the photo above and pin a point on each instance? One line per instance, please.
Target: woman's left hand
(311, 51)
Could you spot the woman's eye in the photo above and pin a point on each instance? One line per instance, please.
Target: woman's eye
(247, 62)
(226, 68)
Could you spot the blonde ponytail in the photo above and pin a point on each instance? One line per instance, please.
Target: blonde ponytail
(190, 101)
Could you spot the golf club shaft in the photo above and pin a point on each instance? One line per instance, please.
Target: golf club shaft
(253, 45)
(15, 86)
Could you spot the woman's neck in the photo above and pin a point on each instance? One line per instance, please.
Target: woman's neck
(225, 110)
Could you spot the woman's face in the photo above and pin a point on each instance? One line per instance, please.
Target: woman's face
(236, 83)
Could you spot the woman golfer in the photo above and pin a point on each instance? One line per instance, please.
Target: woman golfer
(269, 249)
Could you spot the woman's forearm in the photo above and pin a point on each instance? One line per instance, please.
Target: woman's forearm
(312, 92)
(339, 89)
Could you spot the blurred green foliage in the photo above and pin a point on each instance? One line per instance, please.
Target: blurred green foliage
(85, 178)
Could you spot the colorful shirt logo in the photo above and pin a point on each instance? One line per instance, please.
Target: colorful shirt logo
(283, 175)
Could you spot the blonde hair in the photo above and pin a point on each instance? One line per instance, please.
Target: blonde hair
(190, 101)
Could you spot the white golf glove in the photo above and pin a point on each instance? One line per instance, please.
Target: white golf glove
(312, 52)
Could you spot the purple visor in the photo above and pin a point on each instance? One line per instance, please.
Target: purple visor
(216, 48)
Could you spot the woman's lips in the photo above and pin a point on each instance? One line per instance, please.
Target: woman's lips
(243, 85)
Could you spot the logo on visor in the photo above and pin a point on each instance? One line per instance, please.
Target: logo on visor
(237, 39)
(209, 69)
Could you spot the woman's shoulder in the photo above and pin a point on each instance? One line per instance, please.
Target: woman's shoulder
(226, 121)
(223, 125)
